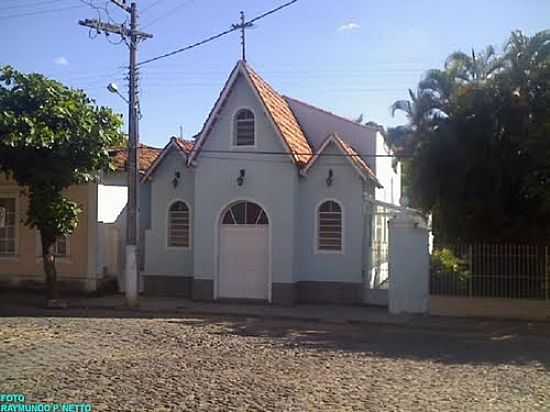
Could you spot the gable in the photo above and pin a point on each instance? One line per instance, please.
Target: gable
(180, 146)
(335, 146)
(275, 108)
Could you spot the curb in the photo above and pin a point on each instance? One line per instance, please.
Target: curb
(409, 324)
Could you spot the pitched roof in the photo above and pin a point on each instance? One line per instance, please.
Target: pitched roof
(368, 125)
(283, 117)
(351, 154)
(276, 107)
(184, 147)
(147, 155)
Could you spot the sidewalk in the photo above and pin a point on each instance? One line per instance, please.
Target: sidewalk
(28, 304)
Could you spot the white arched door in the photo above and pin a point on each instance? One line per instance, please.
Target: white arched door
(244, 252)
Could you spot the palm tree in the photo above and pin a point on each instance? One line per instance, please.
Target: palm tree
(475, 67)
(426, 108)
(524, 56)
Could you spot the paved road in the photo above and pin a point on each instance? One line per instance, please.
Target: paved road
(128, 362)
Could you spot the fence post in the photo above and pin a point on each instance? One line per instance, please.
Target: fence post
(471, 269)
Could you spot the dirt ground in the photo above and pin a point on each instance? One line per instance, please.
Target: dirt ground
(130, 362)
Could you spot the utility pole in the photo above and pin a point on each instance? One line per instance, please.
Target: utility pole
(135, 36)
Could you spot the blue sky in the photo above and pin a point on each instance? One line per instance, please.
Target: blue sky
(347, 56)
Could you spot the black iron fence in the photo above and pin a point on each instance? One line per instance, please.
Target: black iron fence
(512, 271)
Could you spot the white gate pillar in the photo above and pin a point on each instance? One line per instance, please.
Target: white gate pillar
(409, 264)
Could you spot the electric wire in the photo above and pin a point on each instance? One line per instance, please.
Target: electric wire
(276, 153)
(163, 15)
(216, 36)
(35, 13)
(28, 5)
(150, 6)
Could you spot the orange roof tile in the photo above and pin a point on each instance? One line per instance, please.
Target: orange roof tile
(283, 117)
(355, 157)
(147, 155)
(350, 153)
(185, 145)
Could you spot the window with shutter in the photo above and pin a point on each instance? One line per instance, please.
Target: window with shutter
(329, 227)
(7, 226)
(179, 225)
(244, 128)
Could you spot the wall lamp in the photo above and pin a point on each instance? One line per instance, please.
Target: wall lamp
(176, 179)
(330, 178)
(240, 179)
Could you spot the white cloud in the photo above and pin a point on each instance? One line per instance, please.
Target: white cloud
(62, 61)
(349, 27)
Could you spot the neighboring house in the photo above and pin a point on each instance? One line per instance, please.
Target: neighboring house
(269, 203)
(20, 246)
(84, 259)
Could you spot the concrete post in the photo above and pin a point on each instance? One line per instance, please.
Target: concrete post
(409, 264)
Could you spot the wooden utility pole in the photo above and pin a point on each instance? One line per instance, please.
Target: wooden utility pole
(135, 36)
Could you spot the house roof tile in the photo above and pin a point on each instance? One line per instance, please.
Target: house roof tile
(283, 117)
(185, 145)
(354, 157)
(147, 155)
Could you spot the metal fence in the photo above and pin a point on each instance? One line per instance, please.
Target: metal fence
(380, 265)
(512, 271)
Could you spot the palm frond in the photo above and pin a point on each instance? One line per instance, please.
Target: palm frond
(401, 105)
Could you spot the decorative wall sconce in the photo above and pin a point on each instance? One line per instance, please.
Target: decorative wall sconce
(240, 179)
(176, 179)
(330, 177)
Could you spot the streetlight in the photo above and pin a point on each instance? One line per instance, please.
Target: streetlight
(113, 88)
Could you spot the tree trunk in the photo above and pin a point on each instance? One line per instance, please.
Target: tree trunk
(48, 260)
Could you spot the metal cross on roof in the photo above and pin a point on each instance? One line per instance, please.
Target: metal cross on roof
(242, 27)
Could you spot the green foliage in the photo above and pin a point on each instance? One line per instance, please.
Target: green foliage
(52, 137)
(477, 143)
(445, 262)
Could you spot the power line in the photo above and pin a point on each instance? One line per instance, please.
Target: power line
(200, 43)
(11, 16)
(27, 5)
(274, 153)
(216, 36)
(163, 15)
(151, 6)
(267, 13)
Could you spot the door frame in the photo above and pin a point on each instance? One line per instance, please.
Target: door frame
(217, 245)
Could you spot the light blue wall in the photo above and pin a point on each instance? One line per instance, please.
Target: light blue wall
(159, 259)
(347, 189)
(270, 181)
(273, 181)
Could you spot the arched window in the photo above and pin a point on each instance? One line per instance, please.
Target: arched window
(179, 225)
(245, 213)
(244, 128)
(329, 231)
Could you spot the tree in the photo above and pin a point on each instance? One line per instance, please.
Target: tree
(52, 137)
(474, 68)
(478, 143)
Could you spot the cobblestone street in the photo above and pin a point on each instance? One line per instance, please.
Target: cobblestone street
(130, 362)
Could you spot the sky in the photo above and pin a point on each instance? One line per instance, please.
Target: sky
(347, 56)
